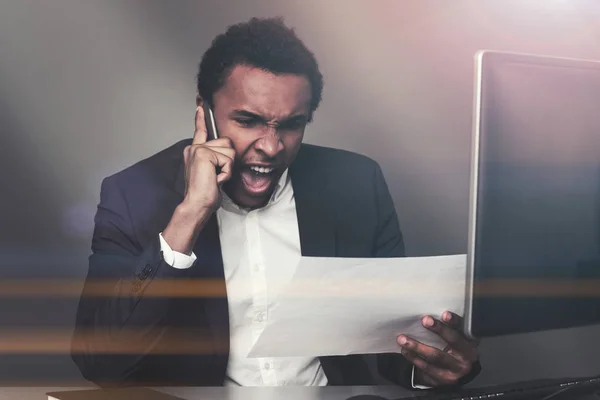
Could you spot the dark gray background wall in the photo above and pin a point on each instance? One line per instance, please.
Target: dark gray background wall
(89, 87)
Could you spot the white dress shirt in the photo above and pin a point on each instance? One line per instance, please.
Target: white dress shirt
(261, 249)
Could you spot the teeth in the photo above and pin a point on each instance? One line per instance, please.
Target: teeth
(262, 170)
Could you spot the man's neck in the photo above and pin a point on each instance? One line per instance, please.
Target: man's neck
(248, 205)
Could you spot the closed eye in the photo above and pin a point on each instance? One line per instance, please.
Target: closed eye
(296, 123)
(247, 119)
(247, 122)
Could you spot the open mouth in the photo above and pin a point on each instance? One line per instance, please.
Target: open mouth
(258, 180)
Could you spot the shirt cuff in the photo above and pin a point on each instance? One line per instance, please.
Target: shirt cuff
(174, 258)
(412, 381)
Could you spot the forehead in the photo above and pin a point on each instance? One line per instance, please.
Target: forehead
(265, 93)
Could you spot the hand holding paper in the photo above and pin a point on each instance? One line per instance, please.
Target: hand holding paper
(339, 306)
(441, 367)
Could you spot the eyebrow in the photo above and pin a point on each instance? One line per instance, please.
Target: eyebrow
(248, 114)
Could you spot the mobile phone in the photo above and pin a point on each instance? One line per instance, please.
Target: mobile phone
(209, 120)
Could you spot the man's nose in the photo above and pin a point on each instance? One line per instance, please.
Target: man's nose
(270, 144)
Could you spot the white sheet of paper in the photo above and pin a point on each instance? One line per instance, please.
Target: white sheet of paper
(340, 306)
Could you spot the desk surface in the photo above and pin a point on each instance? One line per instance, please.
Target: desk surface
(233, 393)
(245, 393)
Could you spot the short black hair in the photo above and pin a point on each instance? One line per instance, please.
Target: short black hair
(265, 43)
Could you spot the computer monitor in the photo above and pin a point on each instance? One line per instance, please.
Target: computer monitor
(534, 219)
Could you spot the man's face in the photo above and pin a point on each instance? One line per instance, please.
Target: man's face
(264, 115)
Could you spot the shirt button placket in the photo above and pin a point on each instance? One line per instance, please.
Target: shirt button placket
(259, 294)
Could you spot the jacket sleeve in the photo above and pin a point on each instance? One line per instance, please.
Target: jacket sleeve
(389, 243)
(119, 325)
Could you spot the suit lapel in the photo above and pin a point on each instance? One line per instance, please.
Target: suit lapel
(316, 215)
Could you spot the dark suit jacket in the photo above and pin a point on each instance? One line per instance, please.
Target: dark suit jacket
(132, 334)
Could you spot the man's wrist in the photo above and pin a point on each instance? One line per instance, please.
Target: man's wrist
(185, 225)
(194, 214)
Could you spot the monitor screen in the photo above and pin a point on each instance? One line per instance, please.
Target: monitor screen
(536, 239)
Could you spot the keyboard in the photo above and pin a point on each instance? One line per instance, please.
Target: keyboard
(552, 389)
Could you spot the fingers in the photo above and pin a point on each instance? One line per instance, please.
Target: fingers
(432, 376)
(223, 146)
(200, 133)
(457, 341)
(420, 363)
(200, 151)
(225, 165)
(452, 319)
(430, 379)
(220, 142)
(450, 334)
(437, 367)
(219, 153)
(434, 358)
(442, 367)
(457, 321)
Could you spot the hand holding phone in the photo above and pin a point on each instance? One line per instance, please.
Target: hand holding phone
(208, 162)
